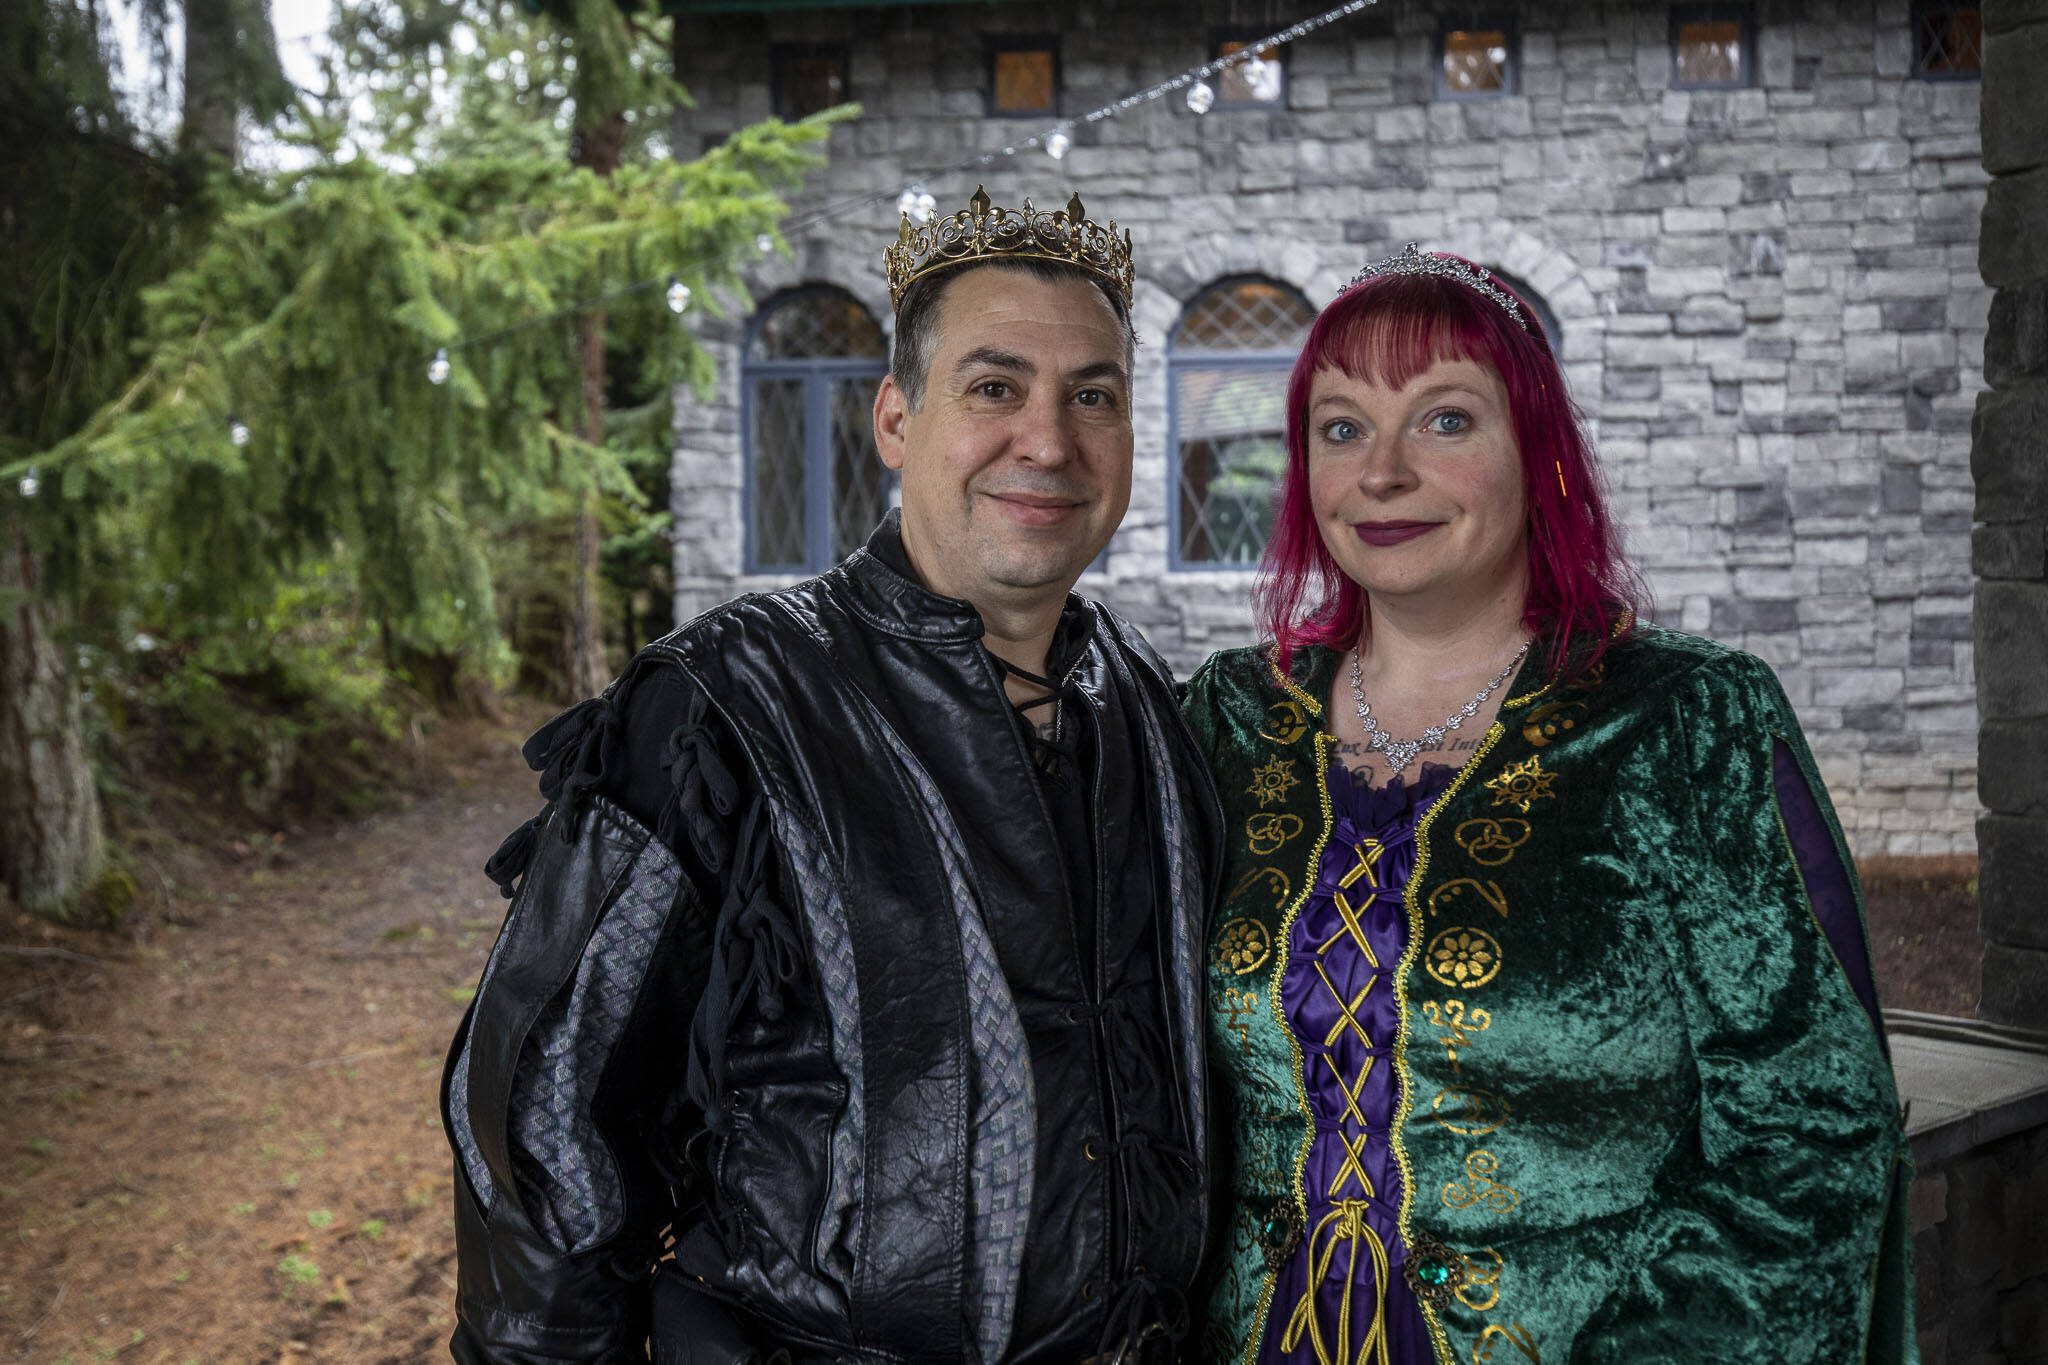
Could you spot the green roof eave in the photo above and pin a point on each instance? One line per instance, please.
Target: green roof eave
(782, 6)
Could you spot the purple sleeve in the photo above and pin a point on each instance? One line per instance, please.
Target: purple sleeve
(1827, 881)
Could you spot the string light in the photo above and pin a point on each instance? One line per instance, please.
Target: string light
(30, 485)
(437, 373)
(916, 204)
(678, 296)
(1262, 79)
(1261, 75)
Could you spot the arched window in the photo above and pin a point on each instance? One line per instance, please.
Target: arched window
(815, 486)
(1545, 318)
(1227, 364)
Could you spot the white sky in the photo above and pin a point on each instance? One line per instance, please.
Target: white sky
(301, 27)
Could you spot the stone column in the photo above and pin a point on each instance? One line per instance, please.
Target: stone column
(2009, 459)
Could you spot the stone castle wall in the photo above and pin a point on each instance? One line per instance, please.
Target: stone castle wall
(1769, 302)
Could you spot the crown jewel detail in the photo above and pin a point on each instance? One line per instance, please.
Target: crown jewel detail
(1413, 261)
(984, 232)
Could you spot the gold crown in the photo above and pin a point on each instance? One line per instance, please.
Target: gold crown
(981, 232)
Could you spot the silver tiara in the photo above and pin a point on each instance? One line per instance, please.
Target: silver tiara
(1412, 261)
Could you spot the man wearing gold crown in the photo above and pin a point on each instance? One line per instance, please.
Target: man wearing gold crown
(856, 947)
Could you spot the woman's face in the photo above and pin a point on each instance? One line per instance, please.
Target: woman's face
(1418, 490)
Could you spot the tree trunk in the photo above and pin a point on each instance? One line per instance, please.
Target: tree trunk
(210, 103)
(587, 671)
(53, 846)
(598, 148)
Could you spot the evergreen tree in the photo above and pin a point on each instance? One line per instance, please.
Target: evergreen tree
(366, 372)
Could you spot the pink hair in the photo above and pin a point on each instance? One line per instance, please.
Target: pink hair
(1387, 330)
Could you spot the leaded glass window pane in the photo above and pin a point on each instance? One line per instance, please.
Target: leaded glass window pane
(1244, 315)
(1260, 79)
(818, 324)
(816, 487)
(1232, 429)
(1476, 62)
(777, 441)
(1710, 53)
(1948, 41)
(860, 481)
(808, 79)
(1023, 80)
(1229, 358)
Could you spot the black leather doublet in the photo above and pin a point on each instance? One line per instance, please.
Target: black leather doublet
(918, 1120)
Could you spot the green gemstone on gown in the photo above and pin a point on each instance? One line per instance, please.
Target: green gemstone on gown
(1435, 1272)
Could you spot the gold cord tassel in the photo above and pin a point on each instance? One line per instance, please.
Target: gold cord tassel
(1343, 1225)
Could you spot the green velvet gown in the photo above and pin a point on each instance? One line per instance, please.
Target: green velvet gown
(1643, 1116)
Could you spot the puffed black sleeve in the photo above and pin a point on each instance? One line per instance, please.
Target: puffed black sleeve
(565, 1095)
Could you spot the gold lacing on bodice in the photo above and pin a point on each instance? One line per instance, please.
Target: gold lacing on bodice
(1345, 1227)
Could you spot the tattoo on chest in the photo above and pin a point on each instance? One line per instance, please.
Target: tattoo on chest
(1360, 760)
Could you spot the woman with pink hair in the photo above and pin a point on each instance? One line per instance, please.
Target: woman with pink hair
(1542, 1013)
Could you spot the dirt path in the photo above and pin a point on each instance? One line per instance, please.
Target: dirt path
(221, 1143)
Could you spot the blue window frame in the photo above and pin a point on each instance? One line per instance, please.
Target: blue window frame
(815, 486)
(1227, 363)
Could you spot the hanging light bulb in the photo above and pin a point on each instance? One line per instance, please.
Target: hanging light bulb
(764, 244)
(916, 205)
(238, 431)
(437, 371)
(1057, 143)
(678, 295)
(1262, 78)
(30, 485)
(1201, 97)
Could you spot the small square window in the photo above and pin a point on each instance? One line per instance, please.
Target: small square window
(1476, 60)
(1024, 77)
(1948, 42)
(807, 79)
(1713, 47)
(1258, 80)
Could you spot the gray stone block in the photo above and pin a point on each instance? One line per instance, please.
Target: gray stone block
(2003, 16)
(1874, 718)
(1735, 615)
(1762, 510)
(2010, 550)
(2015, 105)
(2012, 649)
(2012, 768)
(1631, 384)
(2011, 250)
(2009, 453)
(2015, 985)
(1913, 315)
(1899, 488)
(2016, 339)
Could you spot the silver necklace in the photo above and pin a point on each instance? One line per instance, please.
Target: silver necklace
(1401, 752)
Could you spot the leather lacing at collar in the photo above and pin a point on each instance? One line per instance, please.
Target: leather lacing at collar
(1055, 759)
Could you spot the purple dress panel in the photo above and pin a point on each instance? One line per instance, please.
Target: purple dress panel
(1338, 996)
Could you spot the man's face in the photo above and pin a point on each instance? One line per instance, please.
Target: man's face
(1017, 467)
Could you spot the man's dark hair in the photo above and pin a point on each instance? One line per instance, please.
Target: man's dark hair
(917, 319)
